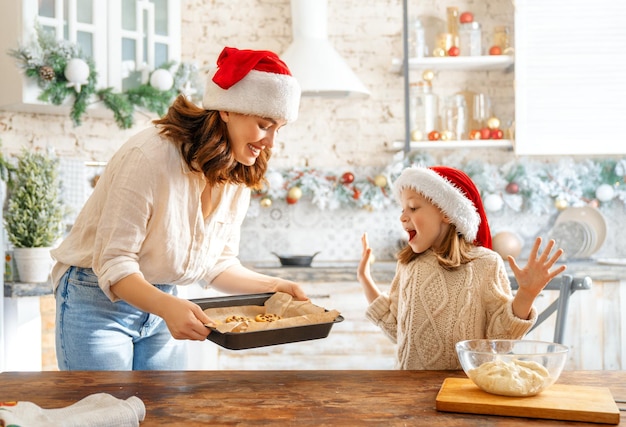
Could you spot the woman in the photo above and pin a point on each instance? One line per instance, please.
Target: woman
(449, 285)
(167, 211)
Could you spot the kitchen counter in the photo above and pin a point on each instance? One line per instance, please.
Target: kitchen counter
(285, 398)
(384, 271)
(341, 271)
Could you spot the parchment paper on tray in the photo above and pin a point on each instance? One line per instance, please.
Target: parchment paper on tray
(292, 313)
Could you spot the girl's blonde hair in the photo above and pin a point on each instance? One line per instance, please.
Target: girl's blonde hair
(203, 140)
(453, 252)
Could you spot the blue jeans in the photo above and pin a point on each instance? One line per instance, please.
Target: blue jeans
(95, 334)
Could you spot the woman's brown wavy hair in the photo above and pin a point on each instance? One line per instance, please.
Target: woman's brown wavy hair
(453, 252)
(203, 140)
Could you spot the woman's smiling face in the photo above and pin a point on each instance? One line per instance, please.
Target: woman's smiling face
(422, 220)
(249, 135)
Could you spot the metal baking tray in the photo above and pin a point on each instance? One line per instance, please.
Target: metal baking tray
(245, 340)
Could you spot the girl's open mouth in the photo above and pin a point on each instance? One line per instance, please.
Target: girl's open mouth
(412, 234)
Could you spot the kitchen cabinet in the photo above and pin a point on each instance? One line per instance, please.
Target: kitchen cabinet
(127, 39)
(570, 77)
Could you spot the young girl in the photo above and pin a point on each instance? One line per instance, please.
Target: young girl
(449, 285)
(166, 212)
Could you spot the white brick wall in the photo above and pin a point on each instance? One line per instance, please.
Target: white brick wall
(329, 133)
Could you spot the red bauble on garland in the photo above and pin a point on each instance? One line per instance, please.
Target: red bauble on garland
(512, 188)
(347, 178)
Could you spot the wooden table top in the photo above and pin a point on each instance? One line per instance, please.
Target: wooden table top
(285, 398)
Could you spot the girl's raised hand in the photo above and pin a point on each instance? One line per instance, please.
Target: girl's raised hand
(536, 273)
(363, 273)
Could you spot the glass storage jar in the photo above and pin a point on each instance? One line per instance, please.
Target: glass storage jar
(423, 110)
(470, 39)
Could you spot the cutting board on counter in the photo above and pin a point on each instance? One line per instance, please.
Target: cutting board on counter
(558, 402)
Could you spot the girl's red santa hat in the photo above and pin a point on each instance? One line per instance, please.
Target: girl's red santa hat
(255, 82)
(452, 191)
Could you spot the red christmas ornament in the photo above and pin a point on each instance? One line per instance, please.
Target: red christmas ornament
(495, 50)
(496, 134)
(512, 188)
(466, 17)
(347, 178)
(475, 134)
(485, 133)
(454, 51)
(434, 135)
(291, 201)
(356, 194)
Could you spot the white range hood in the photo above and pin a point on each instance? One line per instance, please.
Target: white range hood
(313, 61)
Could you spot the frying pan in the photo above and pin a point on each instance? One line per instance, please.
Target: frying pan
(295, 260)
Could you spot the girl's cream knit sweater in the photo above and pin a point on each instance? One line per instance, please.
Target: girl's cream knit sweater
(429, 309)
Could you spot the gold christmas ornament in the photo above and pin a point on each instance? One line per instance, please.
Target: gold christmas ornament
(446, 135)
(560, 204)
(493, 123)
(428, 75)
(266, 202)
(380, 181)
(416, 135)
(439, 52)
(294, 193)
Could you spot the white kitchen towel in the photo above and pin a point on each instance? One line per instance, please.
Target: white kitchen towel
(95, 410)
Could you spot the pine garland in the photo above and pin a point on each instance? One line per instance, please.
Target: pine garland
(46, 60)
(522, 184)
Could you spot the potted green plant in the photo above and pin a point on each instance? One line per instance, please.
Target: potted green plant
(34, 213)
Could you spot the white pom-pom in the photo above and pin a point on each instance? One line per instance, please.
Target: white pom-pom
(161, 79)
(77, 73)
(493, 203)
(605, 193)
(275, 180)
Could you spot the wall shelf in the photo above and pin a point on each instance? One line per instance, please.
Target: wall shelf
(457, 63)
(505, 144)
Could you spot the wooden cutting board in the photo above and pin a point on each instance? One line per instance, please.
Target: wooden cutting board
(558, 402)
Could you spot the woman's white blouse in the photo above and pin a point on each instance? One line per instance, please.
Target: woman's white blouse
(145, 216)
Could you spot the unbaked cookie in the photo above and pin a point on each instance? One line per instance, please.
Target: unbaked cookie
(267, 317)
(236, 318)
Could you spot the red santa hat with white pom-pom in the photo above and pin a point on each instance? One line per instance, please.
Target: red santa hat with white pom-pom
(452, 191)
(255, 82)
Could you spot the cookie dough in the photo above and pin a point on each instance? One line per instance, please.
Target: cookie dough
(236, 318)
(267, 317)
(513, 378)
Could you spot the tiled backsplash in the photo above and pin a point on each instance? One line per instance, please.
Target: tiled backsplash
(302, 229)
